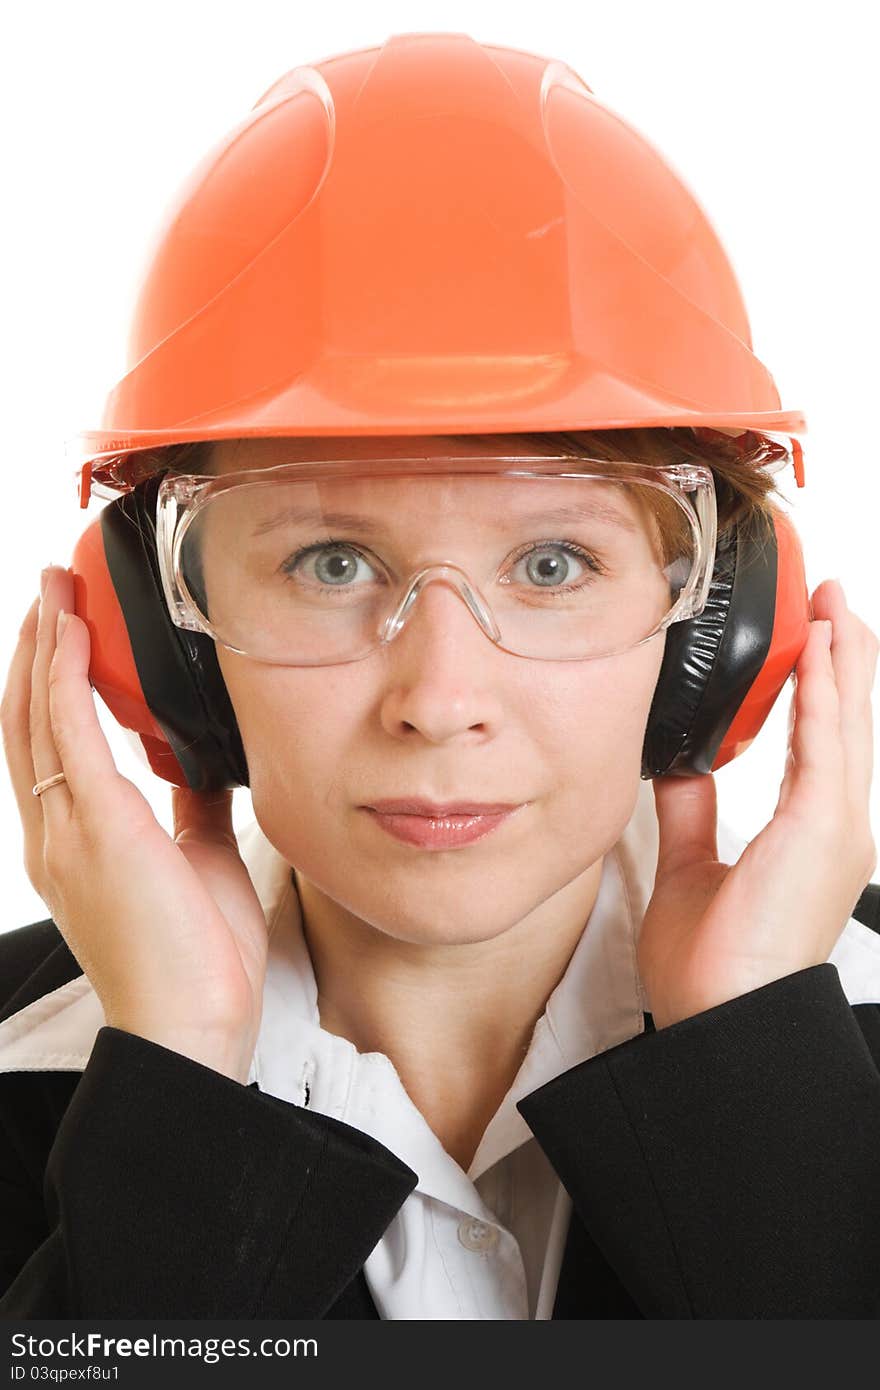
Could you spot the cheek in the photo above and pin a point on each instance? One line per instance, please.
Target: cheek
(295, 725)
(595, 759)
(595, 713)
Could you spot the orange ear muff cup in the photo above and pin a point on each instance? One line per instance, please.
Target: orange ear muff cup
(722, 671)
(791, 623)
(157, 680)
(112, 669)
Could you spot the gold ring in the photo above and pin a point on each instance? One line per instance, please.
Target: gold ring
(48, 782)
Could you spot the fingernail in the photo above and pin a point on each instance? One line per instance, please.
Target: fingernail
(44, 579)
(60, 625)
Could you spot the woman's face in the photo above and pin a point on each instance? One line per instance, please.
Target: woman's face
(442, 714)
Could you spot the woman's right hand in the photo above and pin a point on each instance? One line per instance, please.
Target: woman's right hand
(170, 932)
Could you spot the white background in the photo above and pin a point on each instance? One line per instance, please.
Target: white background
(769, 111)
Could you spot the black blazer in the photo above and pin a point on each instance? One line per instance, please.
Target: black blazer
(725, 1167)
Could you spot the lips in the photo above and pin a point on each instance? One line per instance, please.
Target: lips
(437, 810)
(432, 825)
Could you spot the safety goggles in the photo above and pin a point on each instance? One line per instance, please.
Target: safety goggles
(557, 558)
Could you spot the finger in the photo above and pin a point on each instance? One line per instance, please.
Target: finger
(854, 657)
(788, 773)
(93, 779)
(16, 727)
(56, 584)
(687, 816)
(816, 770)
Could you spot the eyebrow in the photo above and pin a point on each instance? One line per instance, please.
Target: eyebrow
(353, 521)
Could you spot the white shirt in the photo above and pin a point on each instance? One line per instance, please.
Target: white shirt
(486, 1244)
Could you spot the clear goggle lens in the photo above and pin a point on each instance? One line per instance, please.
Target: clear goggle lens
(314, 571)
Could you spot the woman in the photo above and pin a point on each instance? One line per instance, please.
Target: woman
(415, 1059)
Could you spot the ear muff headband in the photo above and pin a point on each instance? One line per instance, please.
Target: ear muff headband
(720, 676)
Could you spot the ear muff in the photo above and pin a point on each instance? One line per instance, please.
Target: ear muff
(722, 672)
(161, 682)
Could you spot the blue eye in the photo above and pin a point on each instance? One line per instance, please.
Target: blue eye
(333, 564)
(336, 564)
(549, 565)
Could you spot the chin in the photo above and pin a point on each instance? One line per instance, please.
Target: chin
(443, 914)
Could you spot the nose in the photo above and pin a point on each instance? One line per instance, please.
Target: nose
(440, 663)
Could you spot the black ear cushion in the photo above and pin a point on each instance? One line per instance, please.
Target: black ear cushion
(178, 670)
(710, 662)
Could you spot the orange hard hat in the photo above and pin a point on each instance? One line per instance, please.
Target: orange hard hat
(432, 236)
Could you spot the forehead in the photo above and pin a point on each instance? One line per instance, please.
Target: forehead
(230, 455)
(372, 503)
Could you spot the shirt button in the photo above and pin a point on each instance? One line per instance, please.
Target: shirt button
(476, 1235)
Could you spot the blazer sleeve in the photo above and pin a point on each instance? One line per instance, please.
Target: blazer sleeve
(728, 1166)
(173, 1191)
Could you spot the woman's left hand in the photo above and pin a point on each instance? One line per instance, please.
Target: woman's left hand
(713, 931)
